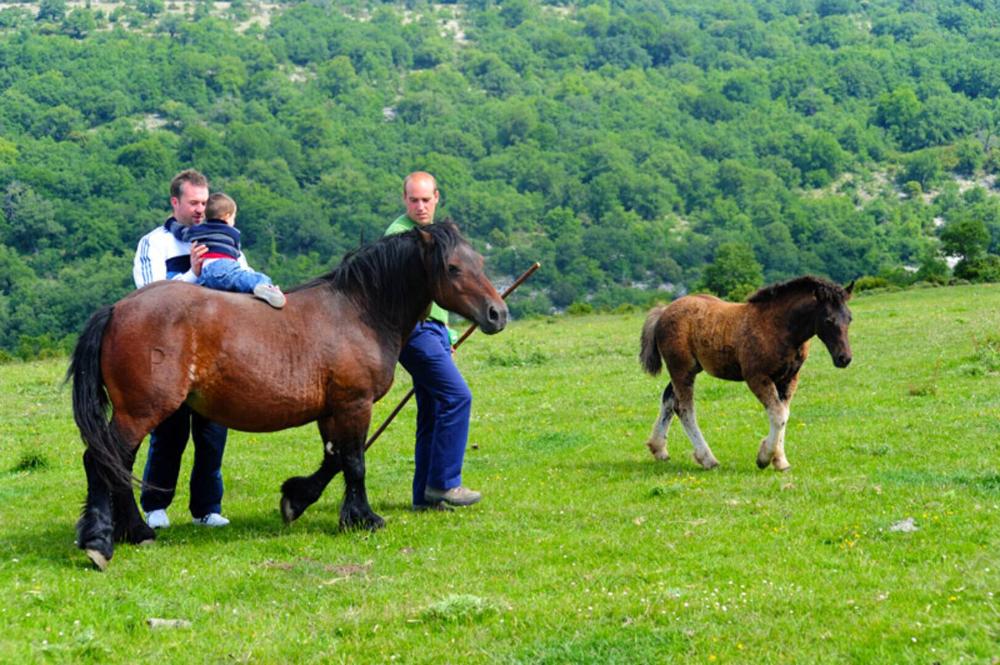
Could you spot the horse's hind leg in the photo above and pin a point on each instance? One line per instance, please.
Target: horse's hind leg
(657, 442)
(772, 446)
(130, 527)
(684, 407)
(94, 529)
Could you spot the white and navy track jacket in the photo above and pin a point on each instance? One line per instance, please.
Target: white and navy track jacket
(160, 255)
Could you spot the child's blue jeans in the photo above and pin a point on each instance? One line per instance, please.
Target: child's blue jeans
(229, 275)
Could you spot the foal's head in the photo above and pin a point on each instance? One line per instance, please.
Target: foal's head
(818, 307)
(832, 321)
(458, 282)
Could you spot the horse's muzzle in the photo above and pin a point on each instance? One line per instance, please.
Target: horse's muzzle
(494, 318)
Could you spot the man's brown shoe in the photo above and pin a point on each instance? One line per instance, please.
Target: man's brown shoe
(456, 496)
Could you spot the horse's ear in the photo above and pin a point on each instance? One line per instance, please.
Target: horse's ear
(425, 238)
(850, 288)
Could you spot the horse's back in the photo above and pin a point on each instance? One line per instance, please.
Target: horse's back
(223, 352)
(705, 330)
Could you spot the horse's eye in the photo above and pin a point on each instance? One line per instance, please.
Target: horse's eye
(453, 270)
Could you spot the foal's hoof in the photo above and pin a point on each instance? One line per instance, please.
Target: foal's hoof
(762, 463)
(781, 465)
(708, 463)
(659, 452)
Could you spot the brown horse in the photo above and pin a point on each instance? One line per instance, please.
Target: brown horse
(326, 357)
(763, 342)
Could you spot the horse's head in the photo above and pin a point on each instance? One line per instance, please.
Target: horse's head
(458, 282)
(833, 318)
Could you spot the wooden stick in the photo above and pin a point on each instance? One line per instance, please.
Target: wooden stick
(399, 407)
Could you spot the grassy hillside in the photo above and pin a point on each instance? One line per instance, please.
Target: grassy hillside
(585, 549)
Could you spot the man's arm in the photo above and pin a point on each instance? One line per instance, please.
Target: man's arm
(149, 264)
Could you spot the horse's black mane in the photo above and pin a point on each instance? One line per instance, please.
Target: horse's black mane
(823, 289)
(379, 277)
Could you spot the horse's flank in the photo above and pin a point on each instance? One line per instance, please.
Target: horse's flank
(287, 372)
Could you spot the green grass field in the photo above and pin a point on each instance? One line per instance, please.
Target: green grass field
(585, 549)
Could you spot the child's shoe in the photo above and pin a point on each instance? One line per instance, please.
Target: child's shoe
(270, 294)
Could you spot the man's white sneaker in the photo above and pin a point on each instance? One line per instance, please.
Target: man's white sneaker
(212, 519)
(157, 519)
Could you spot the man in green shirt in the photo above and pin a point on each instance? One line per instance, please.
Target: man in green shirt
(444, 402)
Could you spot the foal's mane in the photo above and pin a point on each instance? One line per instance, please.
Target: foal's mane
(824, 290)
(379, 277)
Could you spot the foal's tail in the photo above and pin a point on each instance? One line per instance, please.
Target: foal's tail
(649, 353)
(90, 404)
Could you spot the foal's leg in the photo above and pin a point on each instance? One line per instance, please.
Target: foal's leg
(684, 406)
(300, 492)
(785, 393)
(657, 442)
(772, 447)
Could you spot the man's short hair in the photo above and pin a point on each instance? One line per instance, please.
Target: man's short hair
(186, 176)
(220, 205)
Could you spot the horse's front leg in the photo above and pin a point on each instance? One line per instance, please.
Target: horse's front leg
(351, 429)
(772, 446)
(300, 492)
(785, 393)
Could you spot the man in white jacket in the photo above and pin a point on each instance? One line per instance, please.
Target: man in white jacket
(161, 255)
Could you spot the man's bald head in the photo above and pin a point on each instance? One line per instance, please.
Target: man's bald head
(420, 195)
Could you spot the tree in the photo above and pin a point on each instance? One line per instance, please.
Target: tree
(51, 10)
(79, 23)
(734, 273)
(150, 7)
(966, 237)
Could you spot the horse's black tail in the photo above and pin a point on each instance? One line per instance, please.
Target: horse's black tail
(649, 353)
(90, 404)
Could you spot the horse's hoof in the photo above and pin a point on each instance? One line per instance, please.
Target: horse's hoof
(762, 464)
(98, 559)
(288, 513)
(782, 466)
(371, 522)
(147, 542)
(140, 534)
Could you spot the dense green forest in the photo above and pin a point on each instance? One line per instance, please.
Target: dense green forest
(637, 148)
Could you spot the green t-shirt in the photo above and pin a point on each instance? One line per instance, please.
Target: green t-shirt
(438, 313)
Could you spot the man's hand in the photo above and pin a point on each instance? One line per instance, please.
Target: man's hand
(197, 257)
